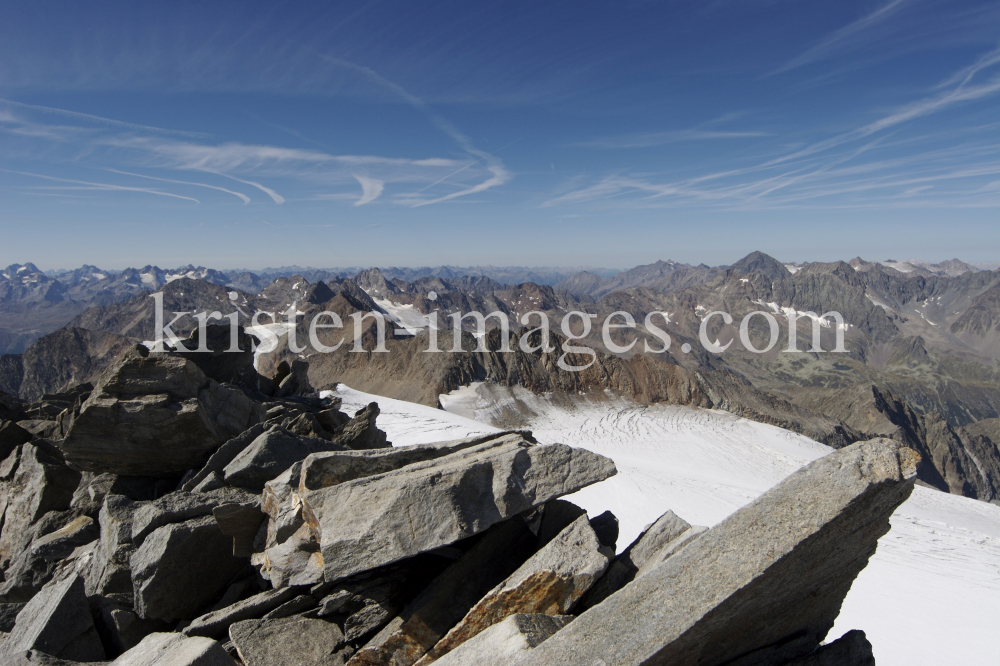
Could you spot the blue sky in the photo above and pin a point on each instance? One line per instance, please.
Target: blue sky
(239, 134)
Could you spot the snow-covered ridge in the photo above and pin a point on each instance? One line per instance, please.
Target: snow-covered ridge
(930, 594)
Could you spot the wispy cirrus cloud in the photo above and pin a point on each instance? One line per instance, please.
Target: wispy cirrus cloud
(371, 189)
(108, 187)
(848, 163)
(842, 38)
(651, 139)
(95, 119)
(239, 195)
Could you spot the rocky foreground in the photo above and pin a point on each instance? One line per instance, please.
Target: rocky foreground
(183, 512)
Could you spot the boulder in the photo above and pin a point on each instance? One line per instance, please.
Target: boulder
(269, 455)
(179, 506)
(155, 415)
(361, 432)
(120, 628)
(764, 585)
(505, 642)
(606, 528)
(217, 622)
(169, 649)
(166, 586)
(40, 484)
(293, 641)
(550, 583)
(34, 566)
(57, 621)
(380, 519)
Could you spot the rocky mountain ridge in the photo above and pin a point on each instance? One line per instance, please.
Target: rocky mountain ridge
(276, 530)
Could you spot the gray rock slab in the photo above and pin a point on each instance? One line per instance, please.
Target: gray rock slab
(216, 623)
(269, 455)
(768, 581)
(171, 649)
(506, 641)
(294, 641)
(380, 519)
(57, 621)
(549, 583)
(181, 568)
(361, 433)
(322, 470)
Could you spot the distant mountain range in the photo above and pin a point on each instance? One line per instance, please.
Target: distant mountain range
(923, 340)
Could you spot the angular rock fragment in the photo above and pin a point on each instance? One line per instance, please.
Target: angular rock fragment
(180, 506)
(166, 585)
(241, 521)
(11, 436)
(295, 561)
(60, 543)
(293, 641)
(606, 528)
(656, 542)
(39, 558)
(40, 484)
(851, 649)
(269, 455)
(550, 582)
(497, 554)
(224, 455)
(295, 606)
(57, 621)
(169, 649)
(121, 629)
(155, 415)
(109, 574)
(505, 642)
(217, 622)
(322, 470)
(380, 519)
(764, 585)
(361, 432)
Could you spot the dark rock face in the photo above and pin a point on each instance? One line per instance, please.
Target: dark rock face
(166, 585)
(57, 621)
(155, 415)
(765, 585)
